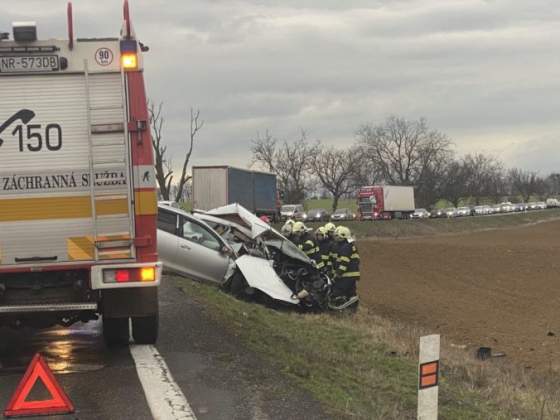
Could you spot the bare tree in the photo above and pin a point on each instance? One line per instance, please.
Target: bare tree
(196, 125)
(163, 165)
(407, 153)
(337, 171)
(526, 183)
(164, 173)
(290, 161)
(454, 182)
(484, 177)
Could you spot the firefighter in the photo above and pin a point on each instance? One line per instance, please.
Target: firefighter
(330, 228)
(347, 266)
(324, 262)
(304, 240)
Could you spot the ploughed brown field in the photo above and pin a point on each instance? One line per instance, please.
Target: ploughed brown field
(496, 288)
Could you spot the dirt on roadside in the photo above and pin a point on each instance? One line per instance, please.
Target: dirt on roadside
(495, 288)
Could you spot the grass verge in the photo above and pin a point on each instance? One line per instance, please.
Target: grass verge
(426, 227)
(365, 366)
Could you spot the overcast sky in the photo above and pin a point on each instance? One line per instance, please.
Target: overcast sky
(487, 73)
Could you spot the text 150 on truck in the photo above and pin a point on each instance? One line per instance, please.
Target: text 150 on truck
(78, 202)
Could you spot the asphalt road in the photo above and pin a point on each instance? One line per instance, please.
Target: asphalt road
(218, 377)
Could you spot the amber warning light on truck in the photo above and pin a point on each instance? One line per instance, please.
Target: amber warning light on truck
(129, 56)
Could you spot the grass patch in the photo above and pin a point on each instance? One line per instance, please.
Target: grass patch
(425, 227)
(366, 366)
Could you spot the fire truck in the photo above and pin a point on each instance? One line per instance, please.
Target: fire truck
(78, 203)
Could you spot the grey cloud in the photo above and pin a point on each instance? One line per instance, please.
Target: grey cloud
(485, 72)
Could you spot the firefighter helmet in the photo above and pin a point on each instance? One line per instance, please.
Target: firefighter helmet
(299, 228)
(330, 228)
(287, 229)
(321, 233)
(342, 233)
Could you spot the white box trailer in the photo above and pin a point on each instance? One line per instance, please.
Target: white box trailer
(77, 191)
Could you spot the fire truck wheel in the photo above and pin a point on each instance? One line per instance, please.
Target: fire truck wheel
(145, 329)
(115, 331)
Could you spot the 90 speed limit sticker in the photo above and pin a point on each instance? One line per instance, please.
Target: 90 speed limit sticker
(104, 56)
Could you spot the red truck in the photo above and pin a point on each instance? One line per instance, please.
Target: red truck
(78, 204)
(385, 202)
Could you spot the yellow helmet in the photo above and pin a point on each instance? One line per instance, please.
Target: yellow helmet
(298, 228)
(330, 228)
(321, 233)
(342, 233)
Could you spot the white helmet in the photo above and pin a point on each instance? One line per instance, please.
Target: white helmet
(299, 228)
(342, 233)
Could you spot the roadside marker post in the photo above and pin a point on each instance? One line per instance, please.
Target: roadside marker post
(428, 377)
(59, 403)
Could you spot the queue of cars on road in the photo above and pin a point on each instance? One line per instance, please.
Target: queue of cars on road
(505, 207)
(297, 212)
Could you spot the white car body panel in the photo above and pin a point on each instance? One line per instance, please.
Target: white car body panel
(240, 215)
(260, 275)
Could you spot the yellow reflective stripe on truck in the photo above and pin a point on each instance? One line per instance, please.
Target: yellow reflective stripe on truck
(25, 209)
(80, 249)
(145, 203)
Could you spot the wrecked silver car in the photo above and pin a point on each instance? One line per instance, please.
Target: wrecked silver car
(235, 249)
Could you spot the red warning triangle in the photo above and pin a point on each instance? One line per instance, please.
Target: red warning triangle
(58, 404)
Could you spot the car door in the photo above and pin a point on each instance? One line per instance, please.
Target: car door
(200, 251)
(167, 238)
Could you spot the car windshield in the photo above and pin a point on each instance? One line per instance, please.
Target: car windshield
(316, 211)
(420, 211)
(288, 208)
(464, 208)
(341, 211)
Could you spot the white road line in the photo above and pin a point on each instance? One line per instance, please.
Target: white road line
(165, 398)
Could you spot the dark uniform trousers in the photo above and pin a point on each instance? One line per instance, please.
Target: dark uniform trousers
(347, 269)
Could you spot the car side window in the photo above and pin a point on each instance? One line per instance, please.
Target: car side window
(196, 233)
(167, 221)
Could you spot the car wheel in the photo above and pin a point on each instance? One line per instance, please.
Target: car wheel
(145, 329)
(115, 331)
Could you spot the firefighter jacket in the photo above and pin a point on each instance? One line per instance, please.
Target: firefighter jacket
(324, 261)
(348, 261)
(308, 245)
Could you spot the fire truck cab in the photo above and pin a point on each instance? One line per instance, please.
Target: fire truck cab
(78, 202)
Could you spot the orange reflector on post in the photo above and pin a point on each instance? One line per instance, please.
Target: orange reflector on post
(429, 373)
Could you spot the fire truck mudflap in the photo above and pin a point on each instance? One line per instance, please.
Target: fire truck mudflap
(77, 189)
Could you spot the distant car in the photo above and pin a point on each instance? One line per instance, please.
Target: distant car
(450, 212)
(495, 209)
(517, 207)
(552, 202)
(173, 204)
(463, 211)
(420, 214)
(437, 213)
(541, 205)
(506, 207)
(533, 205)
(292, 211)
(480, 210)
(342, 215)
(318, 215)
